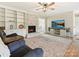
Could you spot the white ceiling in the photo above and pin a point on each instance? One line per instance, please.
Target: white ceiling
(60, 7)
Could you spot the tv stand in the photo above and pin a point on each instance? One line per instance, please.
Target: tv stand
(58, 32)
(54, 31)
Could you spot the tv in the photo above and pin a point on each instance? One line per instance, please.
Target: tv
(58, 24)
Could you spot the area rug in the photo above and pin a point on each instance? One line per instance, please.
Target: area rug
(52, 46)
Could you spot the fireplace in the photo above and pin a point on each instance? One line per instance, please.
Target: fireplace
(31, 29)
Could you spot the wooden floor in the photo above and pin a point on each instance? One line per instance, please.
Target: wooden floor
(72, 51)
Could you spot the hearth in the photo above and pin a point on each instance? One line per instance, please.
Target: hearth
(31, 29)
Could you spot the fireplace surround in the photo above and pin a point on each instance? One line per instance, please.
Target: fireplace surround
(31, 29)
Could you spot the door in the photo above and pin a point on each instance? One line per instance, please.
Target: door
(41, 27)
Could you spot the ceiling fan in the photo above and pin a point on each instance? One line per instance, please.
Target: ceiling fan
(45, 6)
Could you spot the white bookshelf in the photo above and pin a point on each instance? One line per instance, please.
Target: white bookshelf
(2, 18)
(20, 19)
(10, 20)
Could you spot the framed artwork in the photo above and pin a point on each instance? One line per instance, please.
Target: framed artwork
(11, 26)
(21, 26)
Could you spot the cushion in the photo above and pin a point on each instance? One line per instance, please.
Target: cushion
(15, 45)
(20, 52)
(2, 35)
(12, 39)
(4, 51)
(38, 52)
(11, 35)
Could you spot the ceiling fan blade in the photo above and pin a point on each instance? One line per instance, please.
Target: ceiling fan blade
(51, 4)
(40, 3)
(39, 8)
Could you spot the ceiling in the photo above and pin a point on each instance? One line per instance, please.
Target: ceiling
(60, 7)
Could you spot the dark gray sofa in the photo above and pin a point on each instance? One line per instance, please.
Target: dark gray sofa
(18, 48)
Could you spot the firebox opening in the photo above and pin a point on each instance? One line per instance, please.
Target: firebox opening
(31, 29)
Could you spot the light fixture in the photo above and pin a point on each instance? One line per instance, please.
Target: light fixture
(45, 6)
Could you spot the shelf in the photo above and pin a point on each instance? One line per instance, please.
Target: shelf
(10, 17)
(11, 21)
(20, 22)
(11, 13)
(21, 18)
(20, 15)
(2, 21)
(2, 16)
(2, 11)
(2, 24)
(18, 12)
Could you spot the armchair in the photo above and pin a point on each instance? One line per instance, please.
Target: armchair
(18, 48)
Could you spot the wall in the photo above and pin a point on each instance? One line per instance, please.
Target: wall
(41, 26)
(67, 16)
(30, 19)
(76, 25)
(22, 32)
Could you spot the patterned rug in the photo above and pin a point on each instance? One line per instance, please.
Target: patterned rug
(52, 46)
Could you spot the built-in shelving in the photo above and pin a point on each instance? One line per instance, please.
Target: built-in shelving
(10, 19)
(2, 18)
(13, 19)
(20, 19)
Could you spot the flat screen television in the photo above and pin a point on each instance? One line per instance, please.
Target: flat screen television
(58, 24)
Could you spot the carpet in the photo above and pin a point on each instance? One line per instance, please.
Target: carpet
(52, 46)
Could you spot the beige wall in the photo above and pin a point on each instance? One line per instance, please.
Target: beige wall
(67, 16)
(32, 20)
(27, 16)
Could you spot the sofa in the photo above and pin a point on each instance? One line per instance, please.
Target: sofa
(10, 38)
(17, 46)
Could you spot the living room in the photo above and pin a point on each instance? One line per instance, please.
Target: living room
(34, 24)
